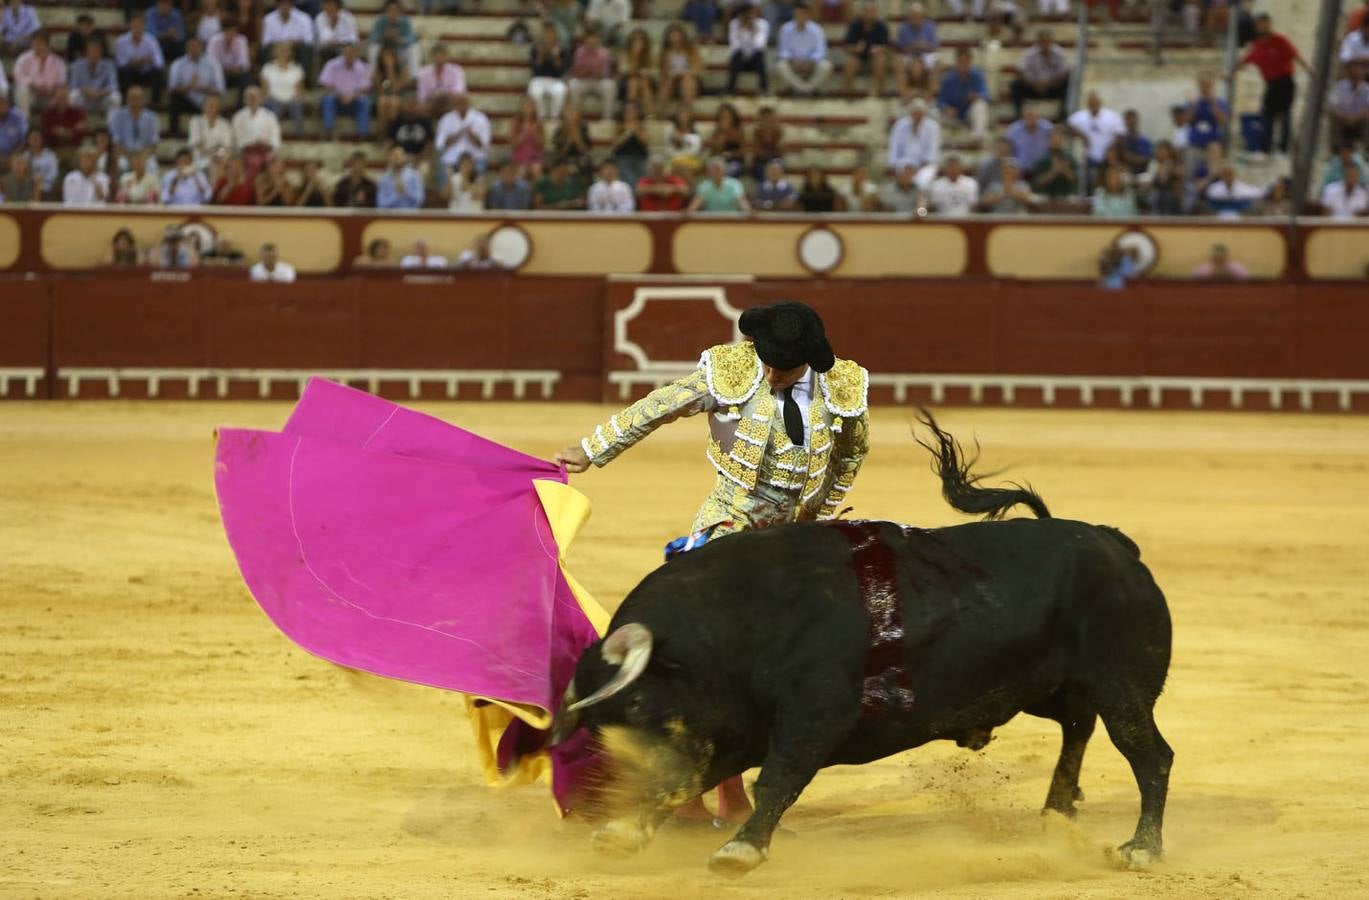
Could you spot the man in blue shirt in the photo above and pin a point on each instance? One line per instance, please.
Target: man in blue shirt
(93, 81)
(1207, 114)
(1030, 137)
(401, 187)
(164, 23)
(1136, 148)
(134, 127)
(139, 58)
(915, 40)
(193, 77)
(964, 94)
(802, 54)
(185, 185)
(867, 44)
(13, 127)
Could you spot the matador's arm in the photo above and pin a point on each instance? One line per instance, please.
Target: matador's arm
(851, 446)
(687, 396)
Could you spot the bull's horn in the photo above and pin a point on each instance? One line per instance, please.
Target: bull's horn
(565, 720)
(629, 648)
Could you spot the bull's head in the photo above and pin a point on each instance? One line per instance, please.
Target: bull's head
(628, 648)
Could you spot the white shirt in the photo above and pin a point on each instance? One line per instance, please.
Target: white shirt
(414, 261)
(344, 32)
(803, 396)
(206, 138)
(284, 273)
(1099, 131)
(749, 40)
(474, 139)
(1339, 204)
(208, 27)
(85, 190)
(609, 13)
(282, 84)
(469, 259)
(297, 29)
(260, 128)
(954, 197)
(1354, 47)
(611, 197)
(914, 148)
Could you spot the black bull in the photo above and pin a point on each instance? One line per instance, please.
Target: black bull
(820, 644)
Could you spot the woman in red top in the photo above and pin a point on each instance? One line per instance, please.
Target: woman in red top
(235, 188)
(1274, 55)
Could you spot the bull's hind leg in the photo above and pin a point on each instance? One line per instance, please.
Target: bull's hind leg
(1130, 722)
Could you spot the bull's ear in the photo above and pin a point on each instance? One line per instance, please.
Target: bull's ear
(663, 660)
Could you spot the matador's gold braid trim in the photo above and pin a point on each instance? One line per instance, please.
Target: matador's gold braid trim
(734, 372)
(729, 468)
(846, 389)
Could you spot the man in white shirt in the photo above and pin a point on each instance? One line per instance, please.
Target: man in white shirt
(747, 35)
(1346, 199)
(478, 256)
(256, 130)
(611, 16)
(463, 131)
(610, 194)
(423, 258)
(441, 78)
(285, 24)
(954, 193)
(84, 186)
(915, 139)
(270, 267)
(1099, 127)
(801, 55)
(334, 28)
(1355, 47)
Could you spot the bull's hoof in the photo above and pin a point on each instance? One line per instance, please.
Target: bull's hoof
(735, 858)
(1138, 856)
(619, 839)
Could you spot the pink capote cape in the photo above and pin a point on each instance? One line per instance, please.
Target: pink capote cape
(387, 540)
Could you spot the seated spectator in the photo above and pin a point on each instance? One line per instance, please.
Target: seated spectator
(355, 189)
(194, 77)
(609, 18)
(990, 169)
(527, 144)
(1355, 45)
(915, 139)
(747, 36)
(591, 67)
(229, 49)
(774, 193)
(1056, 176)
(610, 194)
(1115, 266)
(1042, 74)
(546, 88)
(235, 187)
(684, 144)
(270, 267)
(208, 21)
(134, 127)
(630, 144)
(377, 256)
(313, 191)
(509, 191)
(1164, 180)
(18, 24)
(767, 140)
(39, 76)
(463, 131)
(422, 257)
(718, 192)
(1348, 107)
(139, 184)
(1029, 137)
(123, 249)
(570, 141)
(282, 81)
(867, 47)
(85, 34)
(272, 186)
(916, 43)
(64, 126)
(478, 256)
(1220, 266)
(964, 94)
(1228, 197)
(1100, 128)
(139, 59)
(401, 187)
(1134, 148)
(462, 190)
(165, 24)
(560, 188)
(1344, 157)
(42, 161)
(801, 54)
(681, 68)
(395, 30)
(346, 84)
(93, 81)
(20, 184)
(637, 72)
(287, 25)
(209, 132)
(953, 193)
(14, 126)
(1206, 115)
(175, 251)
(1209, 167)
(334, 28)
(1179, 138)
(861, 195)
(1347, 198)
(441, 78)
(1278, 199)
(1009, 194)
(728, 140)
(185, 185)
(661, 190)
(85, 185)
(703, 15)
(1113, 197)
(817, 195)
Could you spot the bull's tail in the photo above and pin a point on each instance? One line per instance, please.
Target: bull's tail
(960, 486)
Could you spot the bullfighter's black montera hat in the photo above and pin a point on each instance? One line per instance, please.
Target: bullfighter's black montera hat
(788, 335)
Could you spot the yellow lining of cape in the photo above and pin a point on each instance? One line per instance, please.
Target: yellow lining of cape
(567, 511)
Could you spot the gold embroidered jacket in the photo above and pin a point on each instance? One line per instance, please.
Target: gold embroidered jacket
(747, 444)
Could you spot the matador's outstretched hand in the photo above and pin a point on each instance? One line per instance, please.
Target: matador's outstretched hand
(574, 459)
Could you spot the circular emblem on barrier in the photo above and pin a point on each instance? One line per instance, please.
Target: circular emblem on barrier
(511, 246)
(821, 249)
(1142, 246)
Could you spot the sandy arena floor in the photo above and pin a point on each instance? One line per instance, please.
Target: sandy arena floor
(162, 739)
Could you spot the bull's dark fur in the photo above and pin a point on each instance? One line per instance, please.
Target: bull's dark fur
(761, 645)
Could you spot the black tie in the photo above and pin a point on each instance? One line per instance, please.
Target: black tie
(793, 419)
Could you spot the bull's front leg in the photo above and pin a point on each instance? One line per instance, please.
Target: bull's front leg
(811, 723)
(649, 778)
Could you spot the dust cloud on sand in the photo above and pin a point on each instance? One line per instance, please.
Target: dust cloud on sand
(162, 739)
